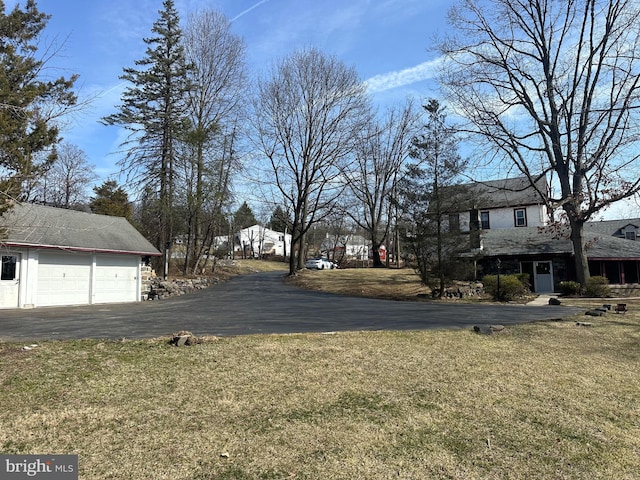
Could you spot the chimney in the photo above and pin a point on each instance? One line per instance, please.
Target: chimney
(474, 229)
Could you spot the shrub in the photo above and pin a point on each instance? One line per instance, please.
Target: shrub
(570, 288)
(525, 279)
(597, 287)
(510, 287)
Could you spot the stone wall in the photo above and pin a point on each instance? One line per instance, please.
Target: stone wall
(159, 288)
(146, 273)
(628, 290)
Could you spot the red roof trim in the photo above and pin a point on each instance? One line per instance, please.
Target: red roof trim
(80, 249)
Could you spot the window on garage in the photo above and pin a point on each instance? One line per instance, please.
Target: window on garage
(9, 267)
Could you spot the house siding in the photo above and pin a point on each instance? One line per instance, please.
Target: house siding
(501, 218)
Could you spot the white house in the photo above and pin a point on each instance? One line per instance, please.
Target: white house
(257, 241)
(506, 203)
(52, 256)
(349, 247)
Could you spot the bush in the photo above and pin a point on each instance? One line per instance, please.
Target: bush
(597, 287)
(525, 279)
(510, 287)
(570, 288)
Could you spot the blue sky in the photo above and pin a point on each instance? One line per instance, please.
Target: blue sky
(387, 41)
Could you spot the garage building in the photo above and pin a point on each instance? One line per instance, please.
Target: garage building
(52, 256)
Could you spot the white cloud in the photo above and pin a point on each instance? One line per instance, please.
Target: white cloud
(401, 78)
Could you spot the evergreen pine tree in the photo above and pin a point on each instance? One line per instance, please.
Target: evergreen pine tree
(29, 104)
(280, 221)
(244, 217)
(154, 111)
(111, 199)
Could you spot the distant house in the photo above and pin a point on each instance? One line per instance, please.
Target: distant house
(257, 241)
(346, 247)
(52, 256)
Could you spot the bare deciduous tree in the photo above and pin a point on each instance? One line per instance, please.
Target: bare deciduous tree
(66, 183)
(552, 86)
(307, 117)
(381, 151)
(216, 101)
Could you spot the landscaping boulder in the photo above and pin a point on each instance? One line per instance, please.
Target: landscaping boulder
(488, 329)
(183, 338)
(554, 301)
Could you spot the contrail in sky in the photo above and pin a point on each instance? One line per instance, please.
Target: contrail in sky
(248, 10)
(400, 78)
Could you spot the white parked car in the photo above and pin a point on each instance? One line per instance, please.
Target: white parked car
(319, 264)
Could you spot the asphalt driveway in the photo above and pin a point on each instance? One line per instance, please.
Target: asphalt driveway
(256, 304)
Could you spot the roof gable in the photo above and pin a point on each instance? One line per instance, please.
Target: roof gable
(507, 192)
(31, 225)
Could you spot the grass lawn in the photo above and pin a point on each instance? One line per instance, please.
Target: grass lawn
(390, 283)
(538, 401)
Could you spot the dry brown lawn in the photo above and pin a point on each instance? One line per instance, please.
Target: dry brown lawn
(390, 283)
(538, 401)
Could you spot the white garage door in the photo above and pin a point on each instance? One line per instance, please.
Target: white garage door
(116, 279)
(63, 279)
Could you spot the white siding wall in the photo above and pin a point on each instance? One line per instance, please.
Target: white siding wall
(504, 217)
(49, 278)
(270, 240)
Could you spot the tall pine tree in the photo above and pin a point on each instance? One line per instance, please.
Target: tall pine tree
(153, 110)
(29, 103)
(430, 198)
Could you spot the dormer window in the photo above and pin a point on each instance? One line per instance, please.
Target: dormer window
(520, 217)
(630, 234)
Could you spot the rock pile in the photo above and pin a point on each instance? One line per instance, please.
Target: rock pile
(159, 288)
(462, 290)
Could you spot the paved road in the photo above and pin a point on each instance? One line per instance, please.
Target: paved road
(255, 304)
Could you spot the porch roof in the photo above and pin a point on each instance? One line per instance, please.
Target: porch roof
(520, 242)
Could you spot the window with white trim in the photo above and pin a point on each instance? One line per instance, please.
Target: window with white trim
(520, 217)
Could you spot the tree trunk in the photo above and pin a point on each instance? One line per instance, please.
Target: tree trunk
(579, 251)
(375, 251)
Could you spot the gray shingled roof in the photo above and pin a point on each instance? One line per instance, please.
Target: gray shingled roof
(507, 192)
(537, 241)
(30, 225)
(611, 227)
